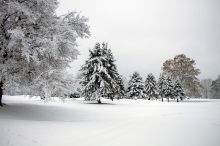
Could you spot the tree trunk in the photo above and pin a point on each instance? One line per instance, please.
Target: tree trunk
(177, 100)
(168, 99)
(162, 99)
(99, 101)
(1, 93)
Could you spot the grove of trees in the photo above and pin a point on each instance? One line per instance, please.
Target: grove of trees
(183, 68)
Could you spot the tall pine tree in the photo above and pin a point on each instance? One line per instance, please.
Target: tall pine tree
(100, 75)
(113, 72)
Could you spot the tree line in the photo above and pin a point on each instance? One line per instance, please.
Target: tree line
(100, 78)
(37, 45)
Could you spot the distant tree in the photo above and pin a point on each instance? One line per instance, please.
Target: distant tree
(169, 89)
(100, 74)
(178, 91)
(125, 81)
(151, 86)
(183, 69)
(215, 88)
(206, 87)
(166, 87)
(136, 88)
(34, 41)
(161, 86)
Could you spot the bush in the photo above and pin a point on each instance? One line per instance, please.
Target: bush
(75, 95)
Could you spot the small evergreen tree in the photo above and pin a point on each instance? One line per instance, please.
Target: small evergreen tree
(165, 86)
(136, 89)
(121, 89)
(150, 86)
(161, 83)
(169, 92)
(178, 91)
(215, 88)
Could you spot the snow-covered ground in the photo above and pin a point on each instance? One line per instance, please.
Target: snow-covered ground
(25, 122)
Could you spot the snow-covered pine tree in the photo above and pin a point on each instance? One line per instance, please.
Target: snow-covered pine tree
(151, 86)
(98, 80)
(215, 88)
(178, 91)
(91, 79)
(166, 87)
(136, 89)
(169, 91)
(121, 89)
(161, 86)
(35, 41)
(118, 91)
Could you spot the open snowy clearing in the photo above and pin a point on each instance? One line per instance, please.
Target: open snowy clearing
(25, 122)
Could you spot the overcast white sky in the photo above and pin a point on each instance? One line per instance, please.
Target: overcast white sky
(145, 33)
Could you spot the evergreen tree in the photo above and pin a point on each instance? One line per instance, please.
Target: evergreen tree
(99, 74)
(113, 72)
(169, 92)
(121, 89)
(161, 83)
(215, 88)
(178, 91)
(150, 86)
(136, 89)
(166, 87)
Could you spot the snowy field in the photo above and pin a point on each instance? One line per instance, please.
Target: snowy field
(25, 122)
